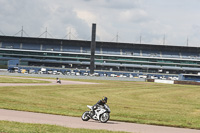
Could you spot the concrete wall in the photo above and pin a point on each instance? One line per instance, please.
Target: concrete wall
(164, 81)
(175, 82)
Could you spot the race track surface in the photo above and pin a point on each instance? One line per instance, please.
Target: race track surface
(75, 122)
(52, 82)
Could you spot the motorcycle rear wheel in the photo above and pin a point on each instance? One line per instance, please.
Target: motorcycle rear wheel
(104, 117)
(85, 116)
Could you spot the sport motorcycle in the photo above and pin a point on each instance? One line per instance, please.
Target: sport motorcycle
(102, 114)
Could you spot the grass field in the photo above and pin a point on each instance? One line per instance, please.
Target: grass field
(15, 80)
(138, 102)
(16, 127)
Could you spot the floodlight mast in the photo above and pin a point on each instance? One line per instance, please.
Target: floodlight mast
(93, 47)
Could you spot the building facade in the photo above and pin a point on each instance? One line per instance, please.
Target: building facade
(109, 56)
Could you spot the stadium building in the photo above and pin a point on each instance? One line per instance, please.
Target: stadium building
(63, 55)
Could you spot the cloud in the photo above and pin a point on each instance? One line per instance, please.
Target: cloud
(114, 4)
(36, 15)
(15, 14)
(119, 4)
(128, 18)
(134, 16)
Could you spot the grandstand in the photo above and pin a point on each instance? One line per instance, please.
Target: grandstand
(64, 55)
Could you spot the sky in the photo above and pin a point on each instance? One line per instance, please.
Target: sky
(161, 22)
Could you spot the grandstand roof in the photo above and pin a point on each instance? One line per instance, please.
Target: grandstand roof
(34, 40)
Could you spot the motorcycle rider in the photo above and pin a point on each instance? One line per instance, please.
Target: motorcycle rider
(58, 80)
(99, 103)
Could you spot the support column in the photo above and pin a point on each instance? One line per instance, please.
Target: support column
(61, 46)
(21, 45)
(93, 47)
(41, 47)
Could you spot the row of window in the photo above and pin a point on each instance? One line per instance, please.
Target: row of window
(101, 59)
(101, 50)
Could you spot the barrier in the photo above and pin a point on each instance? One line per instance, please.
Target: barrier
(164, 81)
(173, 82)
(187, 82)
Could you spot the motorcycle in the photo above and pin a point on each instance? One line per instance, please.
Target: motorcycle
(102, 114)
(59, 81)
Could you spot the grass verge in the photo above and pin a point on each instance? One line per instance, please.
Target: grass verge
(16, 80)
(16, 127)
(138, 102)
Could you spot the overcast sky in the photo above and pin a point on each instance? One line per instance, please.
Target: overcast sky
(154, 21)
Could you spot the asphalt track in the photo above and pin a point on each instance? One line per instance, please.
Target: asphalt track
(74, 122)
(52, 82)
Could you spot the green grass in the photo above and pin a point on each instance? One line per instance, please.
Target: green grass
(16, 127)
(16, 80)
(138, 102)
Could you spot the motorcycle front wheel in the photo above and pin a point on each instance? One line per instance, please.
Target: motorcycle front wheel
(104, 117)
(85, 116)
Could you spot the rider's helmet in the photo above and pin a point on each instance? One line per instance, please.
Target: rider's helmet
(105, 99)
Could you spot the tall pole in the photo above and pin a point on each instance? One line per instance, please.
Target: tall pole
(46, 33)
(70, 34)
(22, 31)
(93, 47)
(117, 37)
(164, 39)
